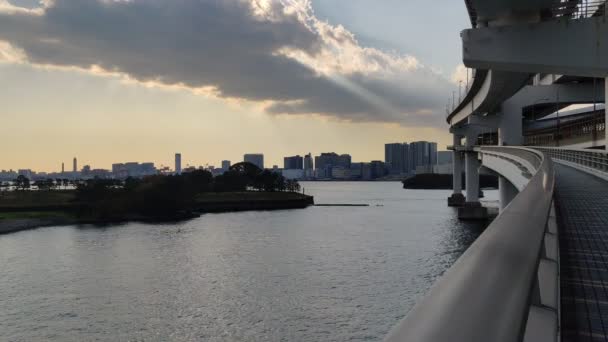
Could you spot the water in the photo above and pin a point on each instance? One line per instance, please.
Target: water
(316, 274)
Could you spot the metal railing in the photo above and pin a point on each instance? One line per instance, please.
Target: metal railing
(579, 9)
(592, 128)
(590, 161)
(497, 290)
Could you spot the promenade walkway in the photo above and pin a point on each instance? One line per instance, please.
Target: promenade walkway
(582, 210)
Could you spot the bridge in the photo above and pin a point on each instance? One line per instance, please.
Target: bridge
(539, 272)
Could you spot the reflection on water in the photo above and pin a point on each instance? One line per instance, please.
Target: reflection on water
(318, 274)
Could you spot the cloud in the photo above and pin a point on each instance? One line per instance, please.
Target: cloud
(275, 52)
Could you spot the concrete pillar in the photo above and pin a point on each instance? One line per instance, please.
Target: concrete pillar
(510, 127)
(606, 113)
(472, 177)
(457, 173)
(472, 210)
(457, 199)
(507, 192)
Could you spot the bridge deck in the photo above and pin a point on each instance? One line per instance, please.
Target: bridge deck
(582, 209)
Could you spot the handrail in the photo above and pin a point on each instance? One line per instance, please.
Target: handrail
(487, 294)
(594, 162)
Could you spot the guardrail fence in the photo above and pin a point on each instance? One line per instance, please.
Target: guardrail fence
(505, 286)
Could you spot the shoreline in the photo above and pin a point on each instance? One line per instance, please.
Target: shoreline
(27, 218)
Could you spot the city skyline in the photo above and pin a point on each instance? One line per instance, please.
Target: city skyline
(99, 108)
(189, 161)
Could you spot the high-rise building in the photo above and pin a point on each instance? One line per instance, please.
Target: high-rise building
(255, 159)
(423, 156)
(62, 167)
(178, 163)
(225, 164)
(293, 163)
(332, 159)
(326, 161)
(308, 163)
(75, 165)
(397, 158)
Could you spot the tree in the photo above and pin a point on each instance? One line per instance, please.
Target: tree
(131, 183)
(292, 185)
(199, 180)
(22, 182)
(44, 184)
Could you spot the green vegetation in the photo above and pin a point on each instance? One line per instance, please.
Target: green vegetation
(36, 199)
(18, 215)
(243, 187)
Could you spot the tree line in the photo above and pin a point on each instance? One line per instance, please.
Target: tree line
(164, 196)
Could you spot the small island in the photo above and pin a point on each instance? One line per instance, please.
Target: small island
(151, 199)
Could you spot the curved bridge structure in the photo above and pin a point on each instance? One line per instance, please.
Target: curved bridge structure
(540, 270)
(505, 285)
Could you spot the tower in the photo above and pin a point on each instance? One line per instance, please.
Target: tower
(75, 165)
(178, 163)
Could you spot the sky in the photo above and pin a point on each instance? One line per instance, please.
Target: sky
(138, 80)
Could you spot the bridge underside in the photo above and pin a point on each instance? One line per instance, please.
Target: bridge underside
(554, 46)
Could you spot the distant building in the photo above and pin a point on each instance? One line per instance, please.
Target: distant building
(8, 175)
(340, 172)
(26, 173)
(75, 165)
(178, 163)
(308, 166)
(62, 167)
(133, 169)
(293, 173)
(356, 170)
(373, 170)
(397, 158)
(100, 173)
(255, 159)
(326, 161)
(226, 165)
(293, 163)
(423, 155)
(444, 157)
(308, 162)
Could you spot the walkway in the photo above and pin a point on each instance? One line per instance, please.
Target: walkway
(582, 209)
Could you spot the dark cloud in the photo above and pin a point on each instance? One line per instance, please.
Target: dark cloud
(278, 53)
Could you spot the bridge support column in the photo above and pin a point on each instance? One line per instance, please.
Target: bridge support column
(457, 199)
(472, 209)
(472, 177)
(510, 126)
(506, 192)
